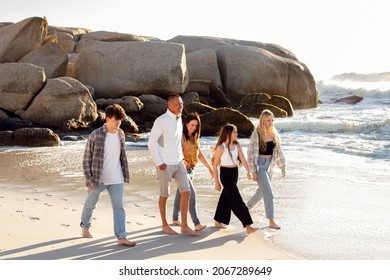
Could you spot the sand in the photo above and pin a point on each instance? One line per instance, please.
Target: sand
(42, 194)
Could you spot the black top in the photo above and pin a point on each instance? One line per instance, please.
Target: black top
(270, 149)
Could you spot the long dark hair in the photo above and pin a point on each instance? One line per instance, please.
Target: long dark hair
(196, 134)
(225, 134)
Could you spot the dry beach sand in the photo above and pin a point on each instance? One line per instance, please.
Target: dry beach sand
(41, 197)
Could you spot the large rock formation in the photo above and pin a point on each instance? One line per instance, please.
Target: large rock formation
(20, 38)
(245, 70)
(19, 84)
(116, 69)
(62, 100)
(139, 72)
(50, 57)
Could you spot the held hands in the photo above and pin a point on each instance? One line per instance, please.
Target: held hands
(254, 176)
(217, 186)
(283, 172)
(248, 175)
(162, 166)
(92, 187)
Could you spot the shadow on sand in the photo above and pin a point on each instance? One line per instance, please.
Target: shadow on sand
(151, 243)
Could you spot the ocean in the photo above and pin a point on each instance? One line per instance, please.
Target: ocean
(335, 199)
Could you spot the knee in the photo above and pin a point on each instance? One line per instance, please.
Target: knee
(185, 194)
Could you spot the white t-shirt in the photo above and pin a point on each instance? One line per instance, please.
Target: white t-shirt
(112, 170)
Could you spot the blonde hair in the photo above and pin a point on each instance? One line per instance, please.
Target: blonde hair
(261, 129)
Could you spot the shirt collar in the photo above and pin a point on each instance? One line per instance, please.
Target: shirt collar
(172, 115)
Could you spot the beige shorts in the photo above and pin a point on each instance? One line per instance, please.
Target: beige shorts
(178, 172)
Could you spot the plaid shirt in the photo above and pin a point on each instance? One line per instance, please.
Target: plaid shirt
(94, 156)
(253, 153)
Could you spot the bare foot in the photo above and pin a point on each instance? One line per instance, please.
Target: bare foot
(168, 230)
(188, 230)
(250, 229)
(200, 227)
(126, 242)
(177, 223)
(86, 233)
(219, 225)
(274, 225)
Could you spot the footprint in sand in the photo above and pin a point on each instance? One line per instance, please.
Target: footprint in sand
(140, 224)
(65, 225)
(19, 211)
(48, 194)
(50, 205)
(34, 218)
(149, 216)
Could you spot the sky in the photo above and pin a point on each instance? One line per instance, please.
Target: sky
(330, 37)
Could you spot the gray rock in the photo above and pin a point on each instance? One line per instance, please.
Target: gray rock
(35, 137)
(6, 138)
(129, 103)
(62, 99)
(215, 119)
(21, 38)
(117, 69)
(50, 57)
(245, 70)
(19, 84)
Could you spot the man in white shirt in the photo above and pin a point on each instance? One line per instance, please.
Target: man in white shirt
(165, 148)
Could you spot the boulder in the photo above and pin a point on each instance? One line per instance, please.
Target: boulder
(19, 84)
(197, 107)
(129, 126)
(196, 43)
(215, 119)
(202, 67)
(153, 104)
(190, 97)
(6, 138)
(249, 100)
(107, 36)
(248, 69)
(116, 69)
(35, 137)
(50, 57)
(256, 109)
(75, 32)
(61, 100)
(66, 41)
(21, 38)
(129, 103)
(350, 99)
(282, 103)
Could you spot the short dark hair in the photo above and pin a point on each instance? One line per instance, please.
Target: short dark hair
(172, 96)
(115, 110)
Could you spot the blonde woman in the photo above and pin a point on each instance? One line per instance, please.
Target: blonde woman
(264, 152)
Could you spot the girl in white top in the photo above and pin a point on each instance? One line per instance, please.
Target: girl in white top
(227, 157)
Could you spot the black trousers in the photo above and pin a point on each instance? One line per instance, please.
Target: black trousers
(230, 199)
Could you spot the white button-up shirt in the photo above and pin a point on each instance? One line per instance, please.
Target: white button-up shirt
(165, 139)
